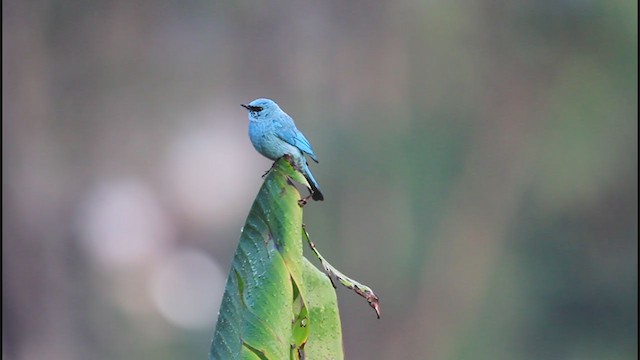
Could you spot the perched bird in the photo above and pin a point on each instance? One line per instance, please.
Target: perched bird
(274, 135)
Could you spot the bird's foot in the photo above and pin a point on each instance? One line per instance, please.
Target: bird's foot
(291, 161)
(271, 168)
(302, 202)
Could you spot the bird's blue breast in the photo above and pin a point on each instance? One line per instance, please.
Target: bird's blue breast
(266, 141)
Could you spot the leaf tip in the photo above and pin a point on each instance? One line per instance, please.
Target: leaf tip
(375, 305)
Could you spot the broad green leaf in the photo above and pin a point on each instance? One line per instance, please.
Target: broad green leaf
(276, 304)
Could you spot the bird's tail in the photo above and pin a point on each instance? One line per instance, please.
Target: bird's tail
(316, 194)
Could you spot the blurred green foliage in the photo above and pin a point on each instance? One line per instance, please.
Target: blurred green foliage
(479, 161)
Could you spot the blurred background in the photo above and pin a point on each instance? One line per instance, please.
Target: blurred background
(479, 161)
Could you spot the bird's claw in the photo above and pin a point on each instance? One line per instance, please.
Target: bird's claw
(302, 202)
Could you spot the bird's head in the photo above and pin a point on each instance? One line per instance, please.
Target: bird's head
(261, 108)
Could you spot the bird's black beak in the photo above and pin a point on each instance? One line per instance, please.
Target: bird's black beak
(245, 106)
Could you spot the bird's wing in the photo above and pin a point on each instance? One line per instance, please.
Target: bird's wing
(287, 131)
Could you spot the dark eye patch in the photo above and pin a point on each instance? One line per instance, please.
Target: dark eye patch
(252, 108)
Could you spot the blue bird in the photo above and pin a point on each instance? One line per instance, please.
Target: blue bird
(274, 135)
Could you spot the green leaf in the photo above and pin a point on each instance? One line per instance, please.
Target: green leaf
(276, 304)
